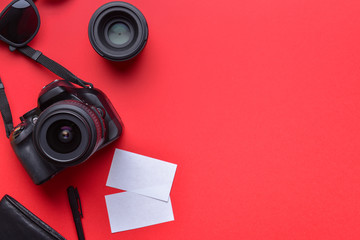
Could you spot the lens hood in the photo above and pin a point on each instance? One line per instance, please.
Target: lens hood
(118, 31)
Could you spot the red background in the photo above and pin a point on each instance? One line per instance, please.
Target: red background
(257, 101)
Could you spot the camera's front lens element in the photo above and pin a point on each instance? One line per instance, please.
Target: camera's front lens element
(63, 136)
(66, 134)
(119, 33)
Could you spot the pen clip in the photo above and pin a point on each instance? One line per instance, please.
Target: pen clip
(78, 201)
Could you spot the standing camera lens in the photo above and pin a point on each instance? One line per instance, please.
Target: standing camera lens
(68, 132)
(118, 31)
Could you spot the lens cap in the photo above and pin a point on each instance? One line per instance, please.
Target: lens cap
(118, 31)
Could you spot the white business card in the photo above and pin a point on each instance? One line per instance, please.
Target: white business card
(140, 174)
(130, 211)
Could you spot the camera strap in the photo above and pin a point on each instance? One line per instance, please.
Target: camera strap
(5, 111)
(52, 65)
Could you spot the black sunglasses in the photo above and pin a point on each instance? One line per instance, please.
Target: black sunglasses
(19, 23)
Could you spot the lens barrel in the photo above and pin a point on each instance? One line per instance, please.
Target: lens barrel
(118, 31)
(68, 132)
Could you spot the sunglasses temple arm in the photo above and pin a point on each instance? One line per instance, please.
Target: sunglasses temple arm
(5, 111)
(52, 65)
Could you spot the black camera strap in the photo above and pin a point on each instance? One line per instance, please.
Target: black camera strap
(5, 111)
(52, 65)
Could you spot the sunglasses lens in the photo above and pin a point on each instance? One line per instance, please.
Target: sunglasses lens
(19, 23)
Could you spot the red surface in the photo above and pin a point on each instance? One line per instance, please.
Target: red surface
(258, 102)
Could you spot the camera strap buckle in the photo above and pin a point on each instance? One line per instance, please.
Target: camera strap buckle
(36, 55)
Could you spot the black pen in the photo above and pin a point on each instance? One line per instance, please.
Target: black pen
(75, 205)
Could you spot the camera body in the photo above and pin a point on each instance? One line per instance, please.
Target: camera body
(67, 127)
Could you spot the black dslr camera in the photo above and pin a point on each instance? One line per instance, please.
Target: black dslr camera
(67, 127)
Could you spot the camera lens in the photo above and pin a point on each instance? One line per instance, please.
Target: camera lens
(68, 132)
(118, 31)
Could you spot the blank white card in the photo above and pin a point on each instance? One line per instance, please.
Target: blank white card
(130, 211)
(142, 175)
